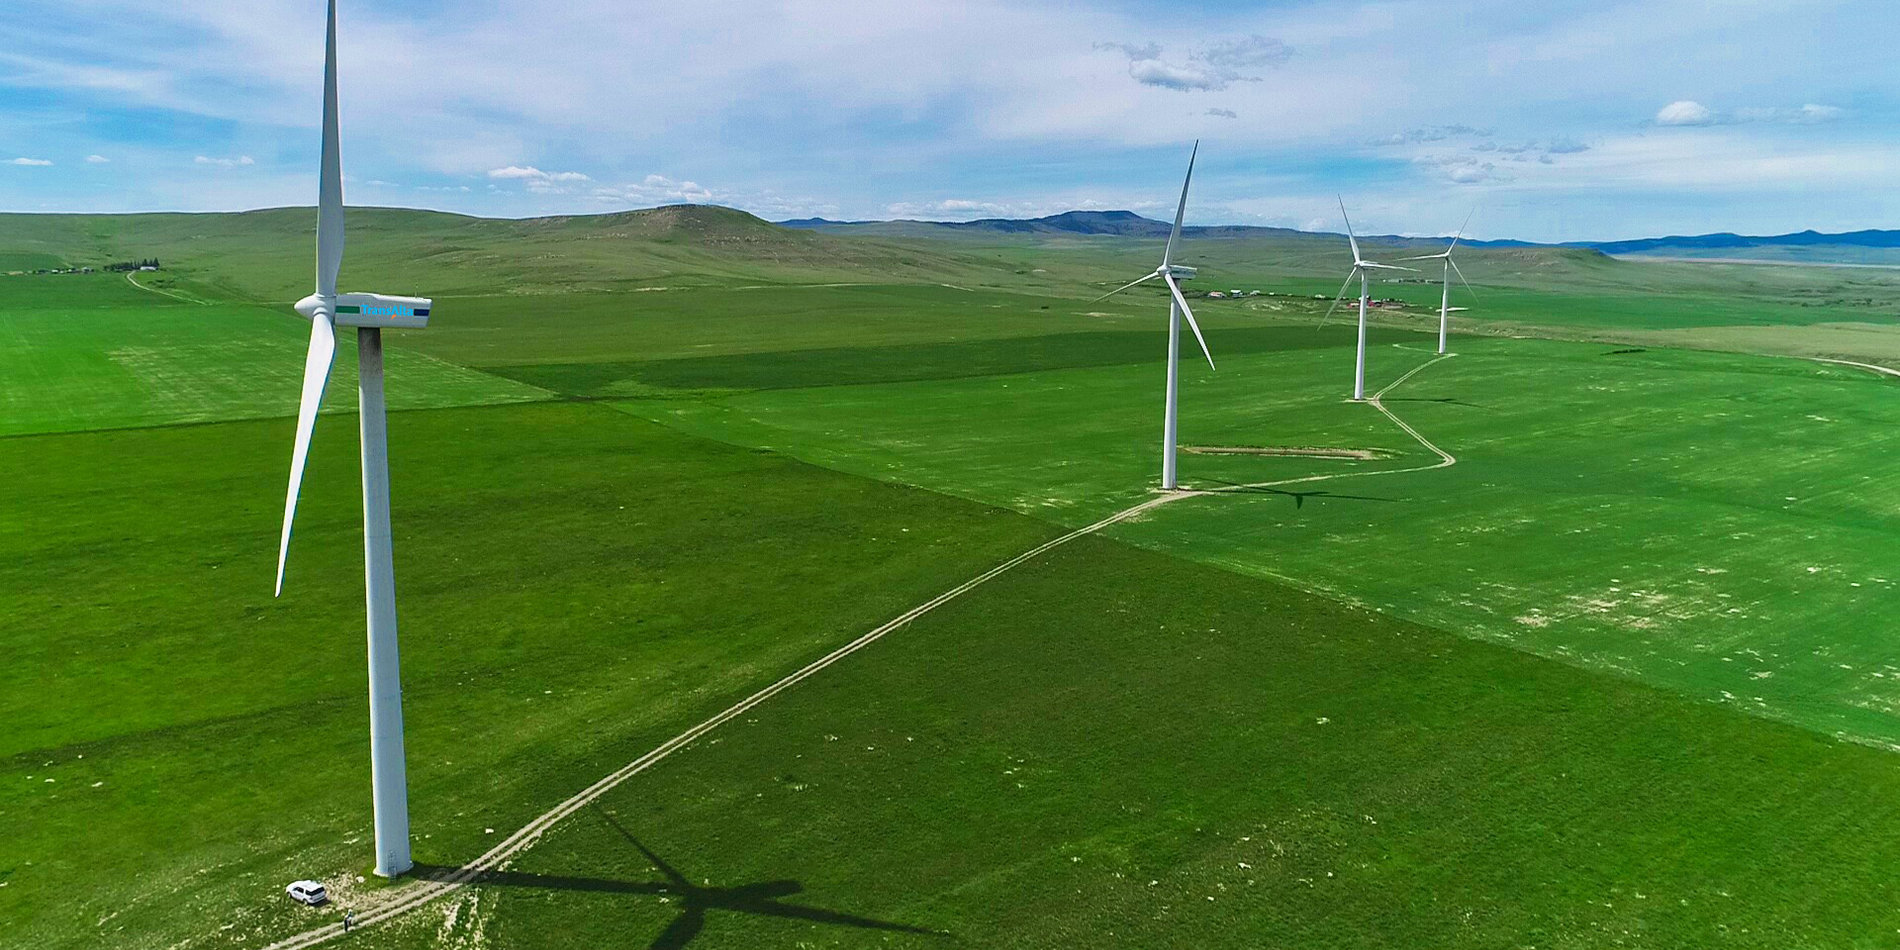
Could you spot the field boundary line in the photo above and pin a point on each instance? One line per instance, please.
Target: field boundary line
(415, 896)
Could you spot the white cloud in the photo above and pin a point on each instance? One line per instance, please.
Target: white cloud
(1685, 112)
(1695, 113)
(1211, 69)
(538, 181)
(31, 161)
(97, 159)
(224, 162)
(1810, 114)
(1155, 72)
(1435, 133)
(1818, 113)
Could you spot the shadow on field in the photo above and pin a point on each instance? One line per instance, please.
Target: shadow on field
(1445, 400)
(1299, 497)
(763, 898)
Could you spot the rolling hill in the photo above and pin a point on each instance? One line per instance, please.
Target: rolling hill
(1853, 247)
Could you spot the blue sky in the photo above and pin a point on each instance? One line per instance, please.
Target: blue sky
(1557, 120)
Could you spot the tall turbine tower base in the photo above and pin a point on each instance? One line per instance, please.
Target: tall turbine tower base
(389, 779)
(1359, 362)
(1444, 306)
(1168, 482)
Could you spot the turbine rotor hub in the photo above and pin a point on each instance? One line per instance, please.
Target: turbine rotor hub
(309, 306)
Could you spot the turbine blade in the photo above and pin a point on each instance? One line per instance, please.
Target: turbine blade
(1387, 266)
(1125, 287)
(1180, 209)
(1461, 277)
(1339, 296)
(1350, 238)
(1461, 231)
(1175, 289)
(316, 373)
(1426, 257)
(329, 176)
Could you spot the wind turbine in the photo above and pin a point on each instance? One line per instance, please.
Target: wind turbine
(1451, 267)
(369, 314)
(1360, 269)
(1177, 308)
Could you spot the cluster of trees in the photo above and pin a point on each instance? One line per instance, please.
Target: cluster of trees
(151, 262)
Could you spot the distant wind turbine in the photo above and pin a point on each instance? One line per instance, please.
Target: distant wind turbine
(369, 313)
(1451, 267)
(1177, 308)
(1360, 269)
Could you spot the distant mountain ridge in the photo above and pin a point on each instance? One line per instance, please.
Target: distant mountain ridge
(1130, 224)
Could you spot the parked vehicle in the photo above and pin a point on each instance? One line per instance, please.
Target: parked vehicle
(307, 892)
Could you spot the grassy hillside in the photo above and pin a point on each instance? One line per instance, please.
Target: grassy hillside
(1587, 687)
(266, 255)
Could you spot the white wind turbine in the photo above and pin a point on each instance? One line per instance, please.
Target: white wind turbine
(1451, 267)
(1177, 308)
(1360, 269)
(369, 313)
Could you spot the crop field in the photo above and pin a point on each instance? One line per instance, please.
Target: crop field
(1611, 676)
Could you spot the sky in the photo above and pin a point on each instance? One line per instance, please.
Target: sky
(1552, 120)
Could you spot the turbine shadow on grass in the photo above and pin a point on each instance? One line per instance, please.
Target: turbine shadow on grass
(1445, 400)
(1299, 497)
(763, 898)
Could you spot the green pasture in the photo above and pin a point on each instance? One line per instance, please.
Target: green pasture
(1113, 748)
(1590, 686)
(577, 586)
(94, 352)
(1722, 525)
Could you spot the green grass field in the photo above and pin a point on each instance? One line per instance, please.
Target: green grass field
(1614, 678)
(1701, 521)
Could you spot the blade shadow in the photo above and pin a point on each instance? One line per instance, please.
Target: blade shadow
(1299, 497)
(763, 898)
(1444, 400)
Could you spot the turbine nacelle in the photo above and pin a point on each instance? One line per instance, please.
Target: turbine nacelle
(1179, 271)
(369, 310)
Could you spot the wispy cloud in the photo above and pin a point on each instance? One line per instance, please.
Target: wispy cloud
(31, 161)
(1434, 133)
(772, 105)
(655, 189)
(536, 181)
(1210, 69)
(539, 182)
(97, 160)
(1810, 114)
(224, 162)
(1463, 169)
(531, 173)
(1688, 112)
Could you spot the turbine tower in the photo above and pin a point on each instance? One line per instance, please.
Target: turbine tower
(1177, 308)
(369, 314)
(1360, 269)
(1451, 267)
